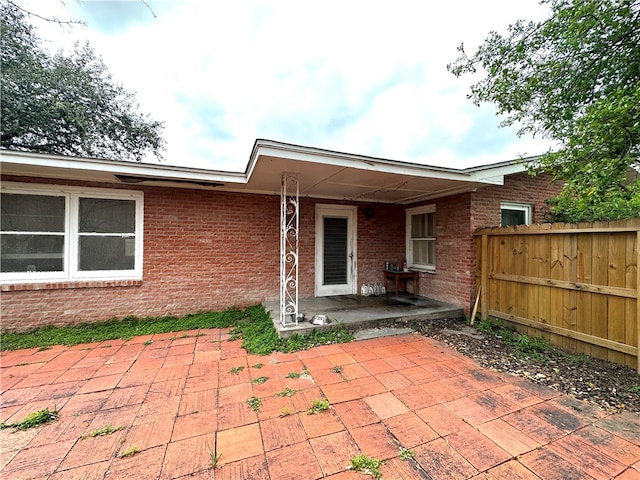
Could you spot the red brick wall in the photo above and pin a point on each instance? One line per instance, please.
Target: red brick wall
(452, 280)
(521, 187)
(208, 250)
(203, 250)
(381, 238)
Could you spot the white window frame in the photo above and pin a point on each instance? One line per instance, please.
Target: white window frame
(409, 244)
(70, 270)
(517, 206)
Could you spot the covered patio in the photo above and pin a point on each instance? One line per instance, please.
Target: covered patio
(356, 312)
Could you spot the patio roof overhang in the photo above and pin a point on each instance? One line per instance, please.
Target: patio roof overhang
(322, 174)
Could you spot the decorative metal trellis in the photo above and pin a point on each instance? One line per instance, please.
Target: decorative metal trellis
(289, 223)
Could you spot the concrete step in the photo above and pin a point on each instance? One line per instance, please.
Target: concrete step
(369, 333)
(385, 313)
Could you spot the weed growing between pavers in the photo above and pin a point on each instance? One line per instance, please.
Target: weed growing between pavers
(131, 451)
(260, 380)
(318, 406)
(367, 465)
(34, 419)
(106, 430)
(255, 403)
(236, 370)
(287, 392)
(285, 412)
(405, 453)
(214, 457)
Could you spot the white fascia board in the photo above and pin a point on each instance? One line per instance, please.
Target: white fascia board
(495, 176)
(118, 167)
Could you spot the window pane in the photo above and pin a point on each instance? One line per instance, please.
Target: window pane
(106, 253)
(99, 215)
(32, 213)
(424, 252)
(32, 253)
(423, 225)
(512, 217)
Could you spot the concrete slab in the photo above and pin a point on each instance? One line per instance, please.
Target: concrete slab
(358, 312)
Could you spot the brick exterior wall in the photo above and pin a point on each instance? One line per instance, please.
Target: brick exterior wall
(521, 187)
(451, 282)
(208, 250)
(203, 250)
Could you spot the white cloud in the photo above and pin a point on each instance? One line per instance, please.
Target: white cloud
(360, 77)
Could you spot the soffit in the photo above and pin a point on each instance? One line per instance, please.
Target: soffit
(353, 182)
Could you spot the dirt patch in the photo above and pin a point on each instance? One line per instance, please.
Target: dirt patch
(609, 385)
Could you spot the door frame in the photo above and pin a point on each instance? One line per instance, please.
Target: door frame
(350, 212)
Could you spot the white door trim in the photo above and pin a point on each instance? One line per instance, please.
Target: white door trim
(349, 212)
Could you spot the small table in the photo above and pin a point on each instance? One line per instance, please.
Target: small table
(401, 277)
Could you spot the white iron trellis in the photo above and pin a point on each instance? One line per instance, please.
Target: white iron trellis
(289, 223)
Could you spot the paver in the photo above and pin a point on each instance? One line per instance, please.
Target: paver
(182, 411)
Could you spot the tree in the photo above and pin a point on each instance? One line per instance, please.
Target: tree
(575, 79)
(66, 105)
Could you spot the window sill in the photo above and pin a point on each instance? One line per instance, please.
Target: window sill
(423, 270)
(72, 284)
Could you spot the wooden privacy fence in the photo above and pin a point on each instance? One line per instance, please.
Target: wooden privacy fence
(574, 284)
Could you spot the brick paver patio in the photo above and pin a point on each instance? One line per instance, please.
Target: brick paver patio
(180, 401)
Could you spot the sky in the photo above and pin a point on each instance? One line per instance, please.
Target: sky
(361, 77)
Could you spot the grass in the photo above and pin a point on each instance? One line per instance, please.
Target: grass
(34, 419)
(253, 325)
(260, 380)
(293, 375)
(236, 370)
(259, 337)
(367, 465)
(125, 328)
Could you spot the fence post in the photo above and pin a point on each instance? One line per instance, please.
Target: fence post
(484, 281)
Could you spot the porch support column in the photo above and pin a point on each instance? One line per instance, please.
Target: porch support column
(289, 224)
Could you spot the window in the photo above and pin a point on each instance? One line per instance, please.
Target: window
(512, 213)
(421, 237)
(65, 233)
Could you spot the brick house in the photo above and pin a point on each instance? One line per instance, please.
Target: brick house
(88, 240)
